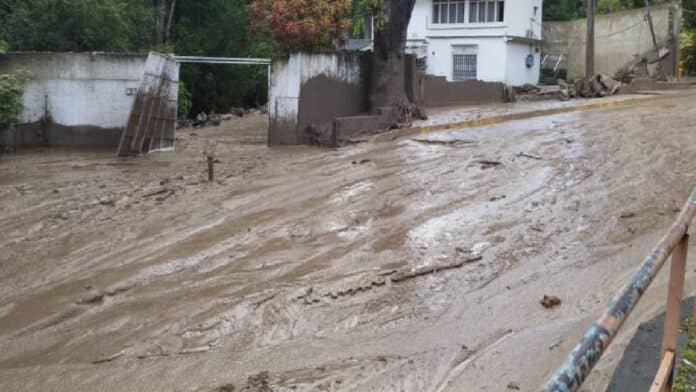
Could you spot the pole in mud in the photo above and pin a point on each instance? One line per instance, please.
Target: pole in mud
(211, 168)
(209, 153)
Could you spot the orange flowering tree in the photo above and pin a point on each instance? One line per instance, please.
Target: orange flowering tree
(303, 25)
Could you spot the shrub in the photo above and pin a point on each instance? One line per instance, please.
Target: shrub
(11, 92)
(688, 53)
(184, 104)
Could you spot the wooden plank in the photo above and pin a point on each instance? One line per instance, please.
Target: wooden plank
(674, 296)
(664, 373)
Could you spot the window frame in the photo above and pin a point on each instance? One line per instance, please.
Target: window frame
(443, 15)
(479, 11)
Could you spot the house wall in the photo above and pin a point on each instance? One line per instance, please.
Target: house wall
(517, 72)
(75, 99)
(491, 57)
(308, 91)
(516, 22)
(436, 42)
(619, 36)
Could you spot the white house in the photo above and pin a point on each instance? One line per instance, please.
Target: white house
(489, 40)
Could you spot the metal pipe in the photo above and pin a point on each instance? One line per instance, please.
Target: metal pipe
(222, 60)
(573, 372)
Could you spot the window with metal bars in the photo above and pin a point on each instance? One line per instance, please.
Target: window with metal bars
(464, 67)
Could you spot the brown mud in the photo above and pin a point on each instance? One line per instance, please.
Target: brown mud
(280, 275)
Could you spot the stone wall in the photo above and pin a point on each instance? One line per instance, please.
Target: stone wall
(75, 99)
(619, 36)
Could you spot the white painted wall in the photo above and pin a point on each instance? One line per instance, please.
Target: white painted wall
(519, 17)
(517, 72)
(78, 89)
(491, 57)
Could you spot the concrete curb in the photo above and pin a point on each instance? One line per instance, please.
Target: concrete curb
(614, 104)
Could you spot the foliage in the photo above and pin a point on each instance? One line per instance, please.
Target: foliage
(220, 28)
(689, 8)
(11, 92)
(85, 25)
(573, 9)
(686, 373)
(688, 52)
(300, 25)
(184, 102)
(362, 8)
(4, 47)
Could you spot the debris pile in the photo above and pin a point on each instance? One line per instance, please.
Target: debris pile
(599, 85)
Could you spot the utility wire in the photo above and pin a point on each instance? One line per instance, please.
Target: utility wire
(622, 31)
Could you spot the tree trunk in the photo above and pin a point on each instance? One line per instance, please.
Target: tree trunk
(388, 88)
(169, 21)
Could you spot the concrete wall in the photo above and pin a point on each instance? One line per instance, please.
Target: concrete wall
(75, 99)
(308, 91)
(619, 36)
(437, 91)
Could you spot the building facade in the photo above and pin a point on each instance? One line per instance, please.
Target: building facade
(488, 40)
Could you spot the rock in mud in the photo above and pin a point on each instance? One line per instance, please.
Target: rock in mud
(258, 383)
(550, 301)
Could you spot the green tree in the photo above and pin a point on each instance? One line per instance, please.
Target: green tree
(11, 91)
(558, 10)
(85, 25)
(220, 28)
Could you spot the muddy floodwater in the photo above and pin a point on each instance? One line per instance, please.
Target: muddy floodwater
(415, 264)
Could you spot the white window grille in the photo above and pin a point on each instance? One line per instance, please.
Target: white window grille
(464, 62)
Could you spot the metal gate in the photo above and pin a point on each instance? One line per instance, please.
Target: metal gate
(152, 120)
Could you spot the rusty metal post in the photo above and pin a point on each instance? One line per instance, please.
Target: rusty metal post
(572, 373)
(674, 298)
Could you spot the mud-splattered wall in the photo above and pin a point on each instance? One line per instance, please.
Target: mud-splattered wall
(618, 37)
(75, 99)
(437, 91)
(308, 91)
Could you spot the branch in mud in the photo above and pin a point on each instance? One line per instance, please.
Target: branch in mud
(401, 276)
(524, 155)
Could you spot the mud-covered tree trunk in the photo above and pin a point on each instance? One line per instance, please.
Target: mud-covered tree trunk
(388, 88)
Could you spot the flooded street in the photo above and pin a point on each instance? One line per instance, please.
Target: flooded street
(415, 264)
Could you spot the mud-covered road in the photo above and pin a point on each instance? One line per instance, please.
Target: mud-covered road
(415, 264)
